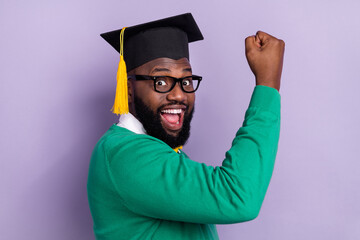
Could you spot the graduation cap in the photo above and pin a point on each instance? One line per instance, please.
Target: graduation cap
(142, 43)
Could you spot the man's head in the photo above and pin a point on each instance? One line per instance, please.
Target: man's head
(153, 49)
(166, 116)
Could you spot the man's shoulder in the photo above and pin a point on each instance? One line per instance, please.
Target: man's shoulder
(119, 134)
(121, 139)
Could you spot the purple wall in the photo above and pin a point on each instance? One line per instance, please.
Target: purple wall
(57, 81)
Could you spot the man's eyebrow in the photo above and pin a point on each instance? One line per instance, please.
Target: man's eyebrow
(168, 70)
(160, 70)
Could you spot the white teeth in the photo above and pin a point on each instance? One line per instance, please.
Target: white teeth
(172, 111)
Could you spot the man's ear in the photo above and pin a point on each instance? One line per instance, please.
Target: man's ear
(130, 91)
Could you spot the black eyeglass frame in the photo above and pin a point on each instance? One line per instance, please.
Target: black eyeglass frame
(155, 78)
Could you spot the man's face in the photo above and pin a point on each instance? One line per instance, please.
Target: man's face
(166, 116)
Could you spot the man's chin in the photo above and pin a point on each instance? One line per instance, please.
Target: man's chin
(172, 132)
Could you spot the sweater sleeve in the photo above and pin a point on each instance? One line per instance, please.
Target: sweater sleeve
(154, 181)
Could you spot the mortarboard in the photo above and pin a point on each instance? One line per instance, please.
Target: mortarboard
(137, 45)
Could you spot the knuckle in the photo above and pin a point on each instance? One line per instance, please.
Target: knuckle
(249, 38)
(279, 42)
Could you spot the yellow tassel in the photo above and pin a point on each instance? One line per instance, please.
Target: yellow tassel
(121, 105)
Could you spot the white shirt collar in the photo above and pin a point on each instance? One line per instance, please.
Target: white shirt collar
(129, 122)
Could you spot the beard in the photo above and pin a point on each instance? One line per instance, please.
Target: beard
(152, 124)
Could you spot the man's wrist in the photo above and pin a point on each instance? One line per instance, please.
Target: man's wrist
(269, 82)
(277, 87)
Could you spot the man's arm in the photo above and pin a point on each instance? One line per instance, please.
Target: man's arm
(152, 180)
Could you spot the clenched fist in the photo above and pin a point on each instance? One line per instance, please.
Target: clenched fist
(265, 54)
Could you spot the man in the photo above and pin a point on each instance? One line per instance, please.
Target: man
(141, 185)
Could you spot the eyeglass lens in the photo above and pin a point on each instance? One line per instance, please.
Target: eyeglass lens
(164, 84)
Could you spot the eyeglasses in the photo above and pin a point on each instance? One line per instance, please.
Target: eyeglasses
(164, 84)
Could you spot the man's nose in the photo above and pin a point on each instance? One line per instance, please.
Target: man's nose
(177, 94)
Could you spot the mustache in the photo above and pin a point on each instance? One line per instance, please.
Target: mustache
(173, 103)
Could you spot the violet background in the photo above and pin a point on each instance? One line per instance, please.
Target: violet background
(57, 82)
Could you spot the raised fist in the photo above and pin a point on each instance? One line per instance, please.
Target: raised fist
(265, 54)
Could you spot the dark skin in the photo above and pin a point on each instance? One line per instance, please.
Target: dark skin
(265, 55)
(174, 99)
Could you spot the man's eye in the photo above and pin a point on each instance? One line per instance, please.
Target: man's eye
(186, 82)
(160, 82)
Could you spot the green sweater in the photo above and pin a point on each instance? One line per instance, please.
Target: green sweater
(139, 188)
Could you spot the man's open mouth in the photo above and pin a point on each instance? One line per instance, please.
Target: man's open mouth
(172, 118)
